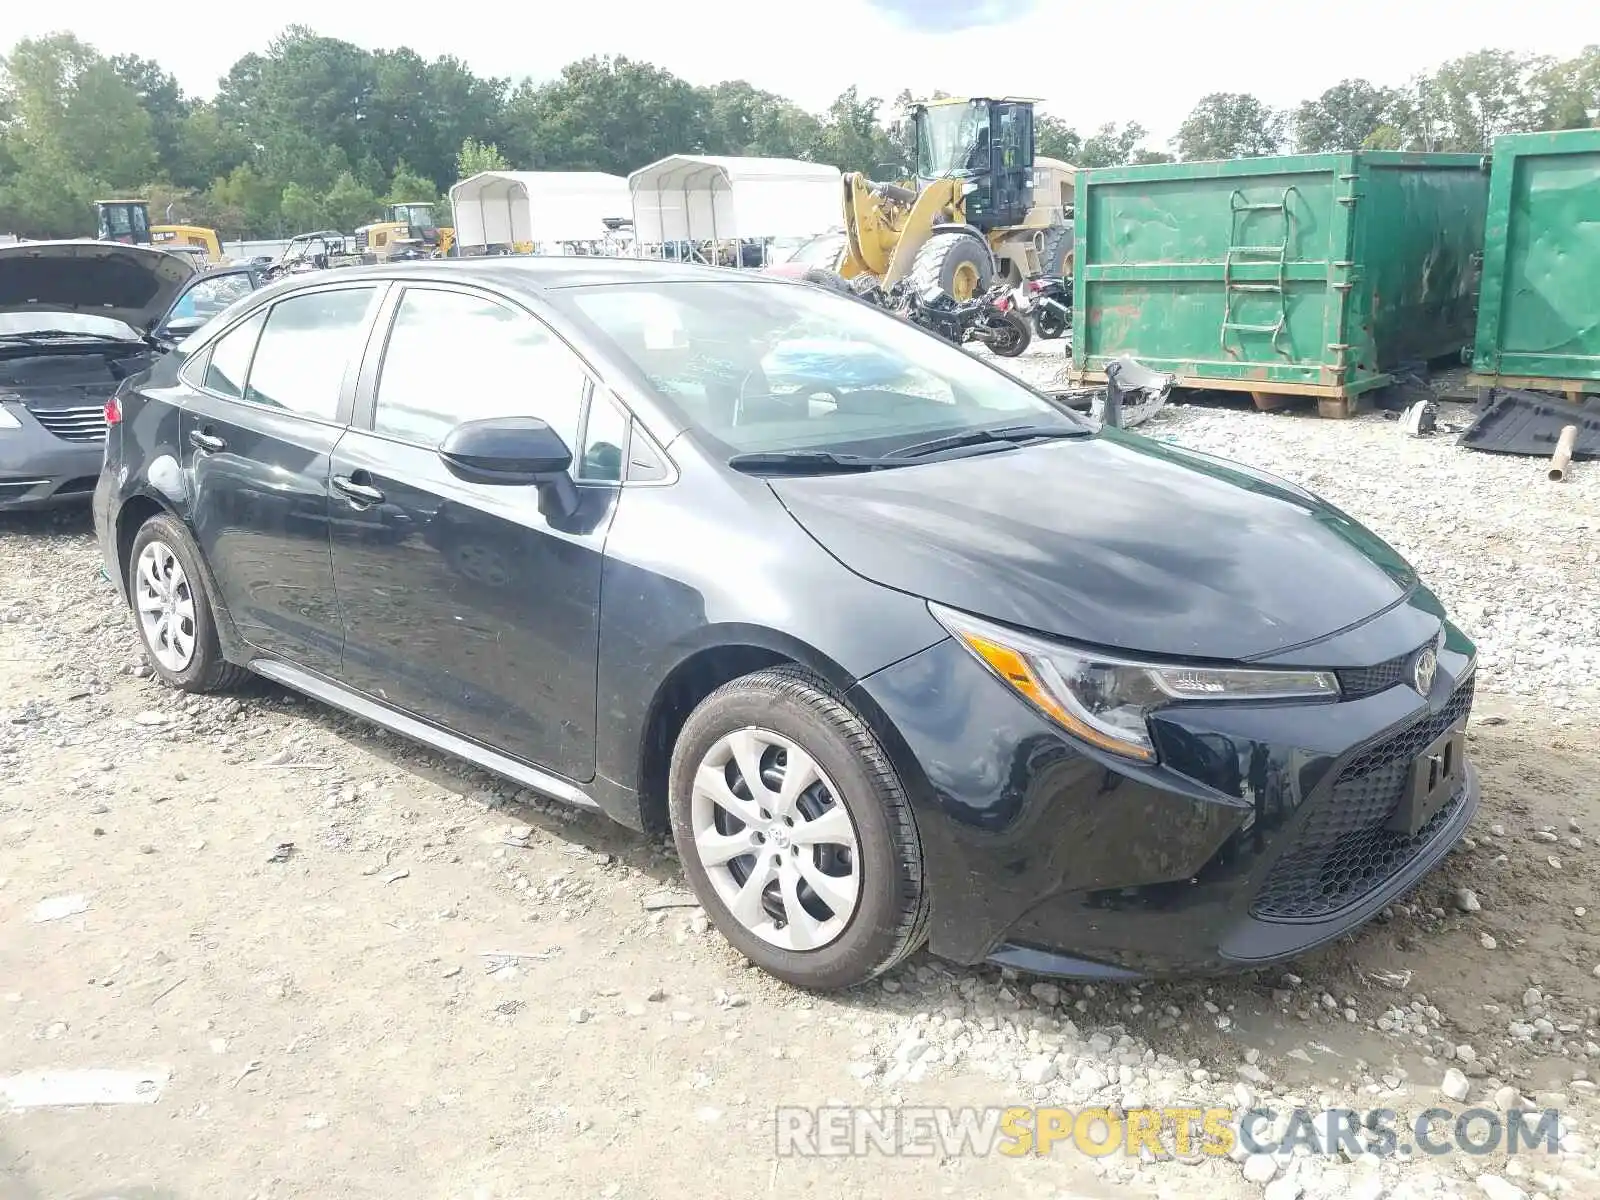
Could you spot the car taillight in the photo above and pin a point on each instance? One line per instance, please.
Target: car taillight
(113, 411)
(1035, 286)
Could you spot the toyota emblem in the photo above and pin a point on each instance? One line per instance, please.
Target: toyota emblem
(1422, 671)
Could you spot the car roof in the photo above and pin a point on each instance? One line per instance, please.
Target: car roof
(537, 274)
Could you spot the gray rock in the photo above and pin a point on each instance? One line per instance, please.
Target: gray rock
(1455, 1086)
(1495, 1188)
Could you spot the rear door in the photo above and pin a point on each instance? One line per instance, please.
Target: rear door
(463, 603)
(271, 399)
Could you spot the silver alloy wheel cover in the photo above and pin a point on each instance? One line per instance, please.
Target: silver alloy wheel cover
(164, 602)
(782, 843)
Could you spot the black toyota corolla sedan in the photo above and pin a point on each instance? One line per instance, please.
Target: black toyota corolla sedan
(897, 648)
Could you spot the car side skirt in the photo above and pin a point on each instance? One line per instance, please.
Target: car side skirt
(325, 690)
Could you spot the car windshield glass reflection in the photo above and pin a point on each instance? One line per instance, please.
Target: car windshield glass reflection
(762, 367)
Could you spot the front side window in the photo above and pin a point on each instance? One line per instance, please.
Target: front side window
(454, 357)
(755, 367)
(948, 138)
(305, 349)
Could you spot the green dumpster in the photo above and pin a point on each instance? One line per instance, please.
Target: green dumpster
(1539, 315)
(1301, 275)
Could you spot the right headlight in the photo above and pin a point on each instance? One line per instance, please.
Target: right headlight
(1107, 700)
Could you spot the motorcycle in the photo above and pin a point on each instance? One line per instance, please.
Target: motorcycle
(1050, 307)
(990, 318)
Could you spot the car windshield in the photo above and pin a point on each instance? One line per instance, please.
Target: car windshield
(946, 136)
(99, 328)
(755, 367)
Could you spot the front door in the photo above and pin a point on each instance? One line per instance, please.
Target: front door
(463, 604)
(257, 432)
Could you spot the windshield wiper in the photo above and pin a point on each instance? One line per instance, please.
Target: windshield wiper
(1010, 435)
(807, 462)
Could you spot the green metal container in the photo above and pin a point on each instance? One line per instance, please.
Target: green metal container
(1302, 275)
(1539, 314)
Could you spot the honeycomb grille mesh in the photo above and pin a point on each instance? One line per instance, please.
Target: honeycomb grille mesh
(1343, 850)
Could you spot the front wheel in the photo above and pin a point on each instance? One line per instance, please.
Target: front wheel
(795, 832)
(1048, 323)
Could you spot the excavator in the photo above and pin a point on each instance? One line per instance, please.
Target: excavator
(129, 221)
(406, 229)
(982, 210)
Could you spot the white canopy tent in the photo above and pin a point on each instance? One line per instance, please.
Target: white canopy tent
(498, 208)
(704, 198)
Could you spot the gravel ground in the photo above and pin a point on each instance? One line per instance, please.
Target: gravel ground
(369, 971)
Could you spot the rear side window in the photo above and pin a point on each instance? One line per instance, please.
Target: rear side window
(230, 358)
(455, 357)
(304, 350)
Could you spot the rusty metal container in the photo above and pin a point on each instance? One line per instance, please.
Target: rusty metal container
(1539, 312)
(1301, 275)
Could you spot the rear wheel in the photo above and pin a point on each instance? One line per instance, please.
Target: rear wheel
(795, 832)
(173, 613)
(1009, 334)
(958, 264)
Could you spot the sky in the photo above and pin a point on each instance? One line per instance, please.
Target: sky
(1089, 63)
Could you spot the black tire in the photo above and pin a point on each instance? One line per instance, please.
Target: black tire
(1055, 255)
(891, 916)
(1048, 324)
(943, 255)
(1020, 334)
(207, 670)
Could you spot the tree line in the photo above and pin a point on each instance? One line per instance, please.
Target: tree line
(319, 133)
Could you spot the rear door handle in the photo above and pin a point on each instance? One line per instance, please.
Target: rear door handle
(209, 442)
(358, 492)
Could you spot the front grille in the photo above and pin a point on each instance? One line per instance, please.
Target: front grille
(1343, 850)
(1366, 681)
(83, 424)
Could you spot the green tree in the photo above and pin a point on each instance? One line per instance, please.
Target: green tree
(474, 158)
(350, 203)
(1345, 117)
(744, 120)
(162, 98)
(302, 209)
(852, 138)
(208, 148)
(1054, 138)
(252, 200)
(408, 187)
(1230, 125)
(72, 112)
(604, 114)
(1111, 146)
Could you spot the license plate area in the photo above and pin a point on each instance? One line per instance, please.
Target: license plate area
(1436, 775)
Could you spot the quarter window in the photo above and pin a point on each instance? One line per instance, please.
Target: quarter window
(305, 349)
(605, 440)
(455, 357)
(230, 358)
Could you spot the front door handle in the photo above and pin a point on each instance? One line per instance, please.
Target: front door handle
(209, 442)
(359, 493)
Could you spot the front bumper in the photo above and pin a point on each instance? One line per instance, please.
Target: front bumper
(40, 470)
(1258, 837)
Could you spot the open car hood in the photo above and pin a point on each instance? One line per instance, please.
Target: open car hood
(132, 284)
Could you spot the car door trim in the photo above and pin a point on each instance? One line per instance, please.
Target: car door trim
(331, 693)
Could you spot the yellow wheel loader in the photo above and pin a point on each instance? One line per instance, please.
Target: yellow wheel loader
(129, 221)
(983, 208)
(407, 229)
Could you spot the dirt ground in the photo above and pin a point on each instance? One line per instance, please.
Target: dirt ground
(370, 971)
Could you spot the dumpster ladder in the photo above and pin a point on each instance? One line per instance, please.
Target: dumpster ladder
(1239, 254)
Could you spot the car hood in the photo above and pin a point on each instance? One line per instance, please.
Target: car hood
(1111, 540)
(132, 284)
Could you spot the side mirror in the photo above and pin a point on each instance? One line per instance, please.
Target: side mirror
(515, 452)
(179, 328)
